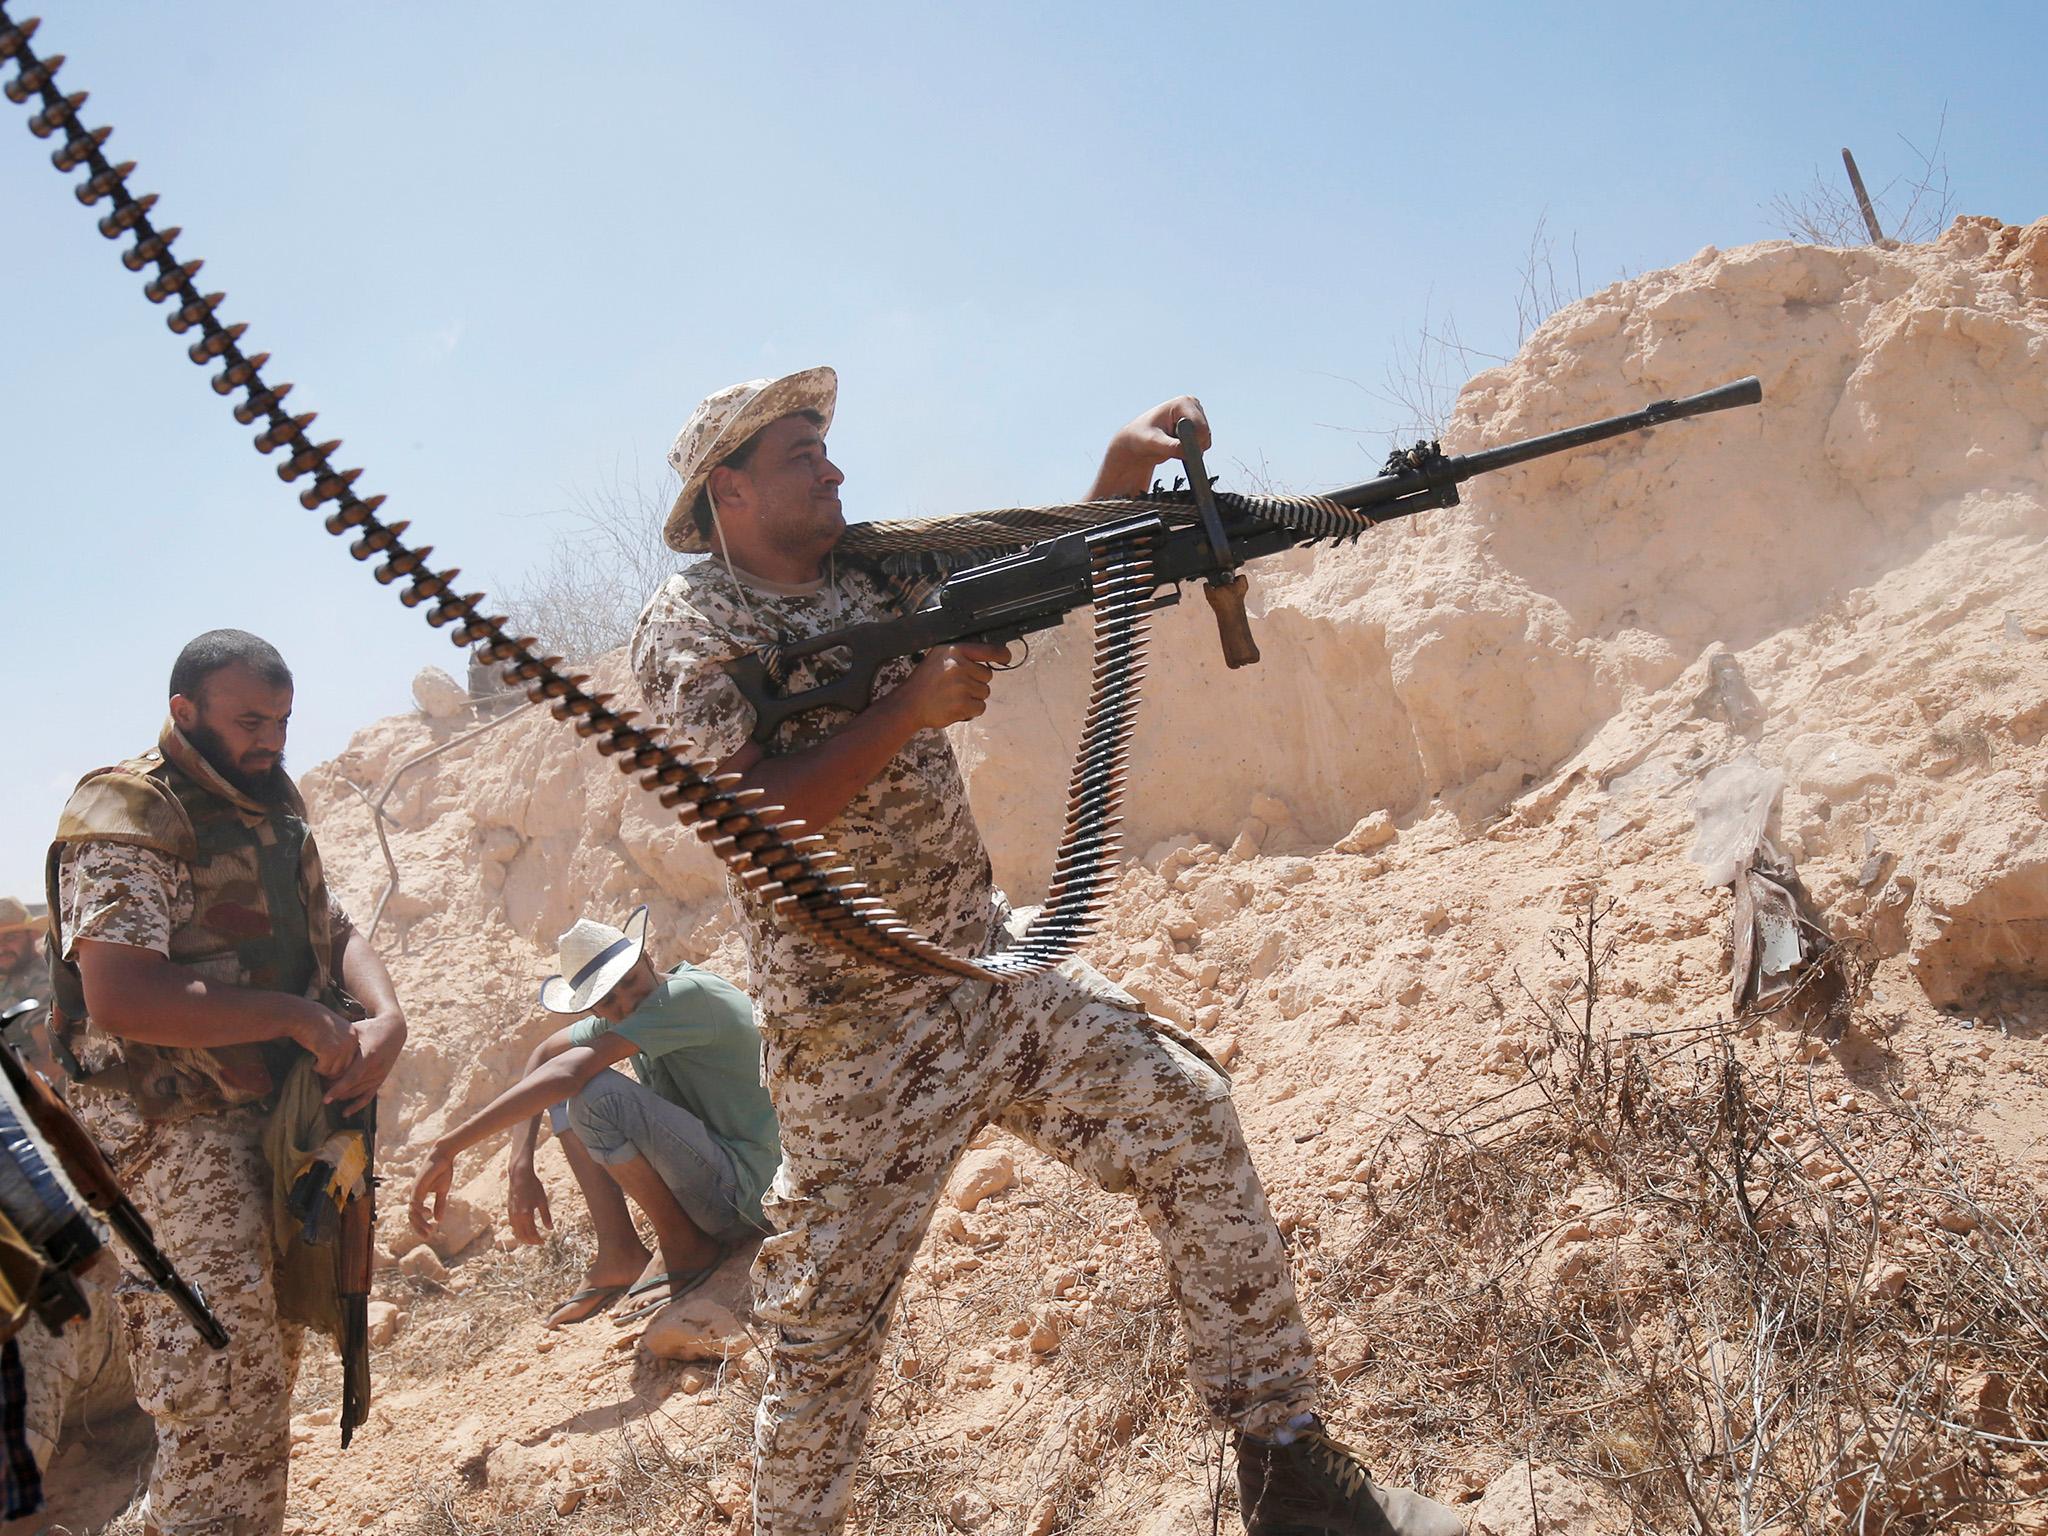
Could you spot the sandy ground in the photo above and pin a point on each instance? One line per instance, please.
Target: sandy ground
(1348, 875)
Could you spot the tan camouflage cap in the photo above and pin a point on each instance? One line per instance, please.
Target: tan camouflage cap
(723, 422)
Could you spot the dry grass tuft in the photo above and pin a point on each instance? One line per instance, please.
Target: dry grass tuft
(1709, 1278)
(448, 1330)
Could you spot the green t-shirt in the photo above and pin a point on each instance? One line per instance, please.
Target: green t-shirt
(699, 1049)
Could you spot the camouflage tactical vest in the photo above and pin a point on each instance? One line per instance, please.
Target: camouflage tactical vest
(259, 919)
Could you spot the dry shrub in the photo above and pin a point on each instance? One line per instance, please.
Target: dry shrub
(1913, 206)
(583, 597)
(1429, 368)
(449, 1330)
(1738, 1296)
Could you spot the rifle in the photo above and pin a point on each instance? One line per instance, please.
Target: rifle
(82, 1163)
(352, 1281)
(330, 1218)
(333, 1202)
(1200, 534)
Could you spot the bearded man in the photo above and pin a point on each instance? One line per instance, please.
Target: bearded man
(199, 958)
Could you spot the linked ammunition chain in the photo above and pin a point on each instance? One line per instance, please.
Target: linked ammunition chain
(811, 888)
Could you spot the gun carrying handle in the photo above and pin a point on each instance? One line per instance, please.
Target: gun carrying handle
(1226, 601)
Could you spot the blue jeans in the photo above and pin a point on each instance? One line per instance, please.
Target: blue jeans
(619, 1118)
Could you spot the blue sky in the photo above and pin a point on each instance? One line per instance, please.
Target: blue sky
(503, 249)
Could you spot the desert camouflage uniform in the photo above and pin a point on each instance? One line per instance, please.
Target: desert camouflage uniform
(200, 1178)
(879, 1080)
(79, 1371)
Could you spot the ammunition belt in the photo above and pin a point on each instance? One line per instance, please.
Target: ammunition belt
(917, 552)
(811, 887)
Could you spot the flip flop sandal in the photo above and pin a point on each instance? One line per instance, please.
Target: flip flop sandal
(679, 1282)
(642, 1287)
(602, 1296)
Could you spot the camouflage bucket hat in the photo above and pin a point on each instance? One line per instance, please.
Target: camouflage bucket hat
(722, 423)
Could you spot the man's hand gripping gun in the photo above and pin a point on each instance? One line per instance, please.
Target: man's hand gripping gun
(1198, 535)
(42, 1136)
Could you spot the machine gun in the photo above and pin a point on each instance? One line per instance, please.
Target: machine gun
(55, 1159)
(1199, 534)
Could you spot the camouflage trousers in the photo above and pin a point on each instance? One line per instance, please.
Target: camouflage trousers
(876, 1110)
(223, 1417)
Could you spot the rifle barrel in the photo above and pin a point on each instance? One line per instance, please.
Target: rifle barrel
(133, 1231)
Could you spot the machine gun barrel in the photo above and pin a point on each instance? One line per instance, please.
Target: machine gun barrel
(1435, 483)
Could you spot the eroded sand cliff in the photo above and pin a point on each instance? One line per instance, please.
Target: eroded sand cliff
(1347, 869)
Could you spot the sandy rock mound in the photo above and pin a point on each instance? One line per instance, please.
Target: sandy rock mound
(1469, 731)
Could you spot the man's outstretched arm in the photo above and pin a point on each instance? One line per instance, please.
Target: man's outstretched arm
(557, 1069)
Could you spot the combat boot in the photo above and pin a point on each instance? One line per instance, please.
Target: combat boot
(1316, 1486)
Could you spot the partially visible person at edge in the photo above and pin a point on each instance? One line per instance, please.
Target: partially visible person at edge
(51, 1363)
(24, 976)
(690, 1138)
(879, 1078)
(201, 959)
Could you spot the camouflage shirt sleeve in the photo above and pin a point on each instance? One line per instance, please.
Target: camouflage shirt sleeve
(120, 894)
(677, 649)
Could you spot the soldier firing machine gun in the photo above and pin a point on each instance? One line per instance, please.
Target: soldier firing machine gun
(1121, 557)
(1198, 534)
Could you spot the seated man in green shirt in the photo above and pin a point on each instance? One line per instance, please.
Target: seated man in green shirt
(690, 1138)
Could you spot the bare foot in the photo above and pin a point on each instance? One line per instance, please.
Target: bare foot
(621, 1266)
(584, 1305)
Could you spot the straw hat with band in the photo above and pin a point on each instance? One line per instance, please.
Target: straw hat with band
(594, 957)
(15, 917)
(721, 425)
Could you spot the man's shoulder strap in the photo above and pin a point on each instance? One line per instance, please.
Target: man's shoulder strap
(130, 803)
